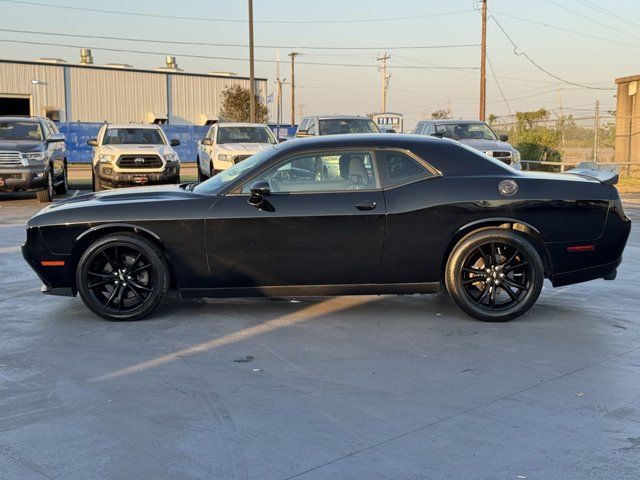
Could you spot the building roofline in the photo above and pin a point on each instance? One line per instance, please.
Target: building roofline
(120, 69)
(631, 78)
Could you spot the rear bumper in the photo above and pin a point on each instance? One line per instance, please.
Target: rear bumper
(23, 178)
(605, 271)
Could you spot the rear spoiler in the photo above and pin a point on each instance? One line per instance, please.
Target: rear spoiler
(604, 173)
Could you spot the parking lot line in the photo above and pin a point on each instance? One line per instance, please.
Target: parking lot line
(9, 249)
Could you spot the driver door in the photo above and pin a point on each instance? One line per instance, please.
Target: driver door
(322, 223)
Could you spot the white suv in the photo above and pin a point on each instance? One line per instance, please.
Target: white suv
(131, 154)
(229, 143)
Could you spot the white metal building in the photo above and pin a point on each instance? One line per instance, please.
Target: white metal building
(85, 92)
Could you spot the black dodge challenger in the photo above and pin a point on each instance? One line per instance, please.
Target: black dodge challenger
(351, 214)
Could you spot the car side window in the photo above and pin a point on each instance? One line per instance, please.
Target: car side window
(304, 124)
(428, 129)
(419, 128)
(397, 168)
(311, 128)
(321, 172)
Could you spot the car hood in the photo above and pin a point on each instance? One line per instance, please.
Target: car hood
(136, 149)
(120, 198)
(484, 145)
(21, 146)
(243, 148)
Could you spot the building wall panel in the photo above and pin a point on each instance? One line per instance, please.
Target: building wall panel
(116, 96)
(17, 79)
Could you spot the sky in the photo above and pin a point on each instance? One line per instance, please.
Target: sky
(587, 43)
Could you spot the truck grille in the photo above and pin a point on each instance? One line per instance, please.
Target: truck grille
(10, 159)
(139, 162)
(502, 155)
(239, 158)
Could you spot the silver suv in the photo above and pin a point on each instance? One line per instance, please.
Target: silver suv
(474, 133)
(334, 125)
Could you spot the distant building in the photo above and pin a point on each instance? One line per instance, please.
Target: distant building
(119, 93)
(628, 119)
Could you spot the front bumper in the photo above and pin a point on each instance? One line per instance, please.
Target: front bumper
(28, 178)
(57, 280)
(110, 178)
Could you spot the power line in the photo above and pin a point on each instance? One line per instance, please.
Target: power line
(230, 20)
(597, 22)
(609, 13)
(209, 57)
(209, 44)
(520, 53)
(562, 29)
(493, 73)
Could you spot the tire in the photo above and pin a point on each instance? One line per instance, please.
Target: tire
(201, 176)
(122, 277)
(96, 182)
(502, 261)
(46, 195)
(63, 186)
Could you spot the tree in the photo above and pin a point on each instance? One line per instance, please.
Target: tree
(493, 118)
(440, 114)
(236, 107)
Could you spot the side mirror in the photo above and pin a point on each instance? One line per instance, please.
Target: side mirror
(391, 130)
(92, 142)
(207, 141)
(282, 139)
(302, 133)
(174, 142)
(438, 134)
(504, 137)
(258, 191)
(56, 137)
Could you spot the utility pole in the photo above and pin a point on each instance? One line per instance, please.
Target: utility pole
(252, 82)
(596, 128)
(385, 80)
(483, 61)
(293, 56)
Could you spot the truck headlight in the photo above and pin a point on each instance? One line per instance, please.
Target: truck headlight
(105, 158)
(515, 156)
(171, 157)
(224, 157)
(34, 156)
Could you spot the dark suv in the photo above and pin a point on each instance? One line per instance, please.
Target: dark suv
(33, 157)
(335, 125)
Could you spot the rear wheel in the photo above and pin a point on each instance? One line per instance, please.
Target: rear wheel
(122, 277)
(46, 195)
(494, 275)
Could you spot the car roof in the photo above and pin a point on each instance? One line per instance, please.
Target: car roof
(339, 117)
(358, 140)
(450, 121)
(240, 124)
(18, 118)
(132, 125)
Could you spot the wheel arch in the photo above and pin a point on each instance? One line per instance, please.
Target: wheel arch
(529, 231)
(92, 234)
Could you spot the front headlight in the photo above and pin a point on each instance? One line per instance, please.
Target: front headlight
(515, 156)
(225, 158)
(171, 157)
(34, 156)
(105, 158)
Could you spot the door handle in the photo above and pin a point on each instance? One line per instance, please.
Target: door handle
(366, 205)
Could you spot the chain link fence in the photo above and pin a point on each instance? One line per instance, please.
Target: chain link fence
(557, 144)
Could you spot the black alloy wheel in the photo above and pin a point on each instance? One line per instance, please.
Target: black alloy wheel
(495, 275)
(122, 277)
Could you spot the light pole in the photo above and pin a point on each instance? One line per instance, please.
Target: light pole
(252, 86)
(293, 56)
(483, 60)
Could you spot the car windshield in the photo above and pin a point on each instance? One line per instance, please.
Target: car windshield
(466, 131)
(129, 136)
(220, 181)
(336, 126)
(245, 135)
(20, 131)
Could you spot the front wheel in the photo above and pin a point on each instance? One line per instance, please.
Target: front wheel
(122, 276)
(201, 176)
(46, 195)
(494, 275)
(63, 186)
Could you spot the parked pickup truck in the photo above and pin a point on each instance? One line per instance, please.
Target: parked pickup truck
(133, 154)
(229, 143)
(33, 157)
